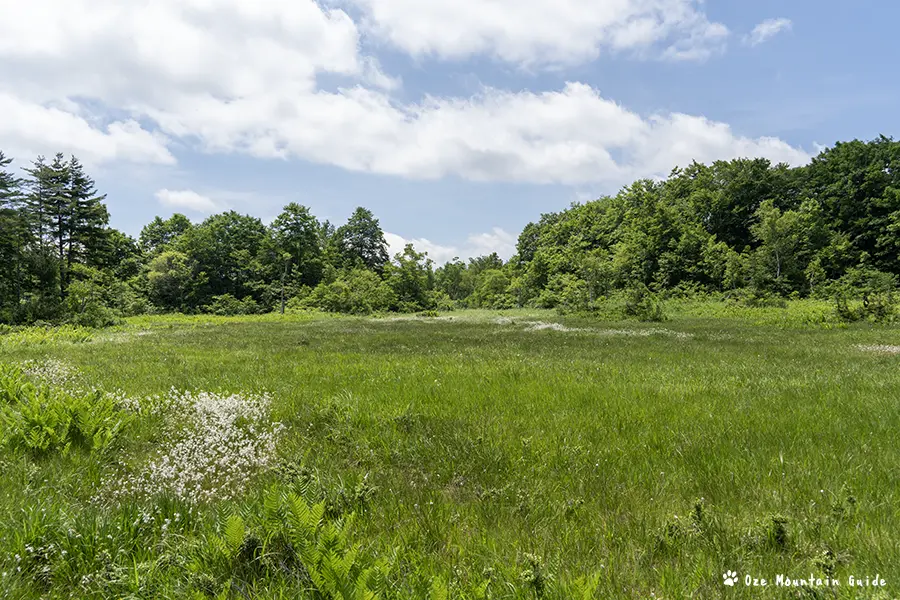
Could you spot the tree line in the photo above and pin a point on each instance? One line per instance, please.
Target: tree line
(743, 229)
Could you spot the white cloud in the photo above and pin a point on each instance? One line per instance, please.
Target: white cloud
(188, 200)
(541, 32)
(766, 30)
(478, 244)
(28, 129)
(229, 76)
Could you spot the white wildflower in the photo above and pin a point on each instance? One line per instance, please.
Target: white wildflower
(222, 442)
(879, 348)
(51, 371)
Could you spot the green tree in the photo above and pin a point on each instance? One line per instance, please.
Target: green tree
(227, 253)
(296, 233)
(169, 279)
(491, 290)
(159, 234)
(361, 241)
(411, 279)
(779, 234)
(455, 280)
(13, 241)
(359, 291)
(88, 218)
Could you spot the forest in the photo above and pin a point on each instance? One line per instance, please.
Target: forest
(743, 230)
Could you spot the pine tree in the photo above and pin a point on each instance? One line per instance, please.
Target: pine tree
(10, 187)
(13, 237)
(88, 217)
(36, 203)
(58, 181)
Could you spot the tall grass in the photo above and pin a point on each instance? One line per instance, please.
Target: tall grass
(478, 455)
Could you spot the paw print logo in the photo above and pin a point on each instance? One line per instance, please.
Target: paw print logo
(730, 578)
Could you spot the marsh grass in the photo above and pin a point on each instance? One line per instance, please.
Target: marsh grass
(482, 457)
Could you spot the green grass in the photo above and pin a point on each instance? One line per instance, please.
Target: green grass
(494, 458)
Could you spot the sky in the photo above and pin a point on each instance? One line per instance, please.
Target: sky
(456, 122)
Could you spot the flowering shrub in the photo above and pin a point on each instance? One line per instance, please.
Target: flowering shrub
(51, 371)
(217, 443)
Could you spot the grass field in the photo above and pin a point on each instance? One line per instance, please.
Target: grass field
(483, 455)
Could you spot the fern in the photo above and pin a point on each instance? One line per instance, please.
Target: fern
(299, 539)
(43, 419)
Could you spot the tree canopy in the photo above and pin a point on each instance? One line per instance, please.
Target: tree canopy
(739, 226)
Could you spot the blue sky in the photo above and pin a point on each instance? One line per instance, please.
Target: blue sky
(455, 121)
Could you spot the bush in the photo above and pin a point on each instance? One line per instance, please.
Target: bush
(866, 295)
(441, 301)
(359, 292)
(565, 292)
(227, 305)
(756, 298)
(643, 304)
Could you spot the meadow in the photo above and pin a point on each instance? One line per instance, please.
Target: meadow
(478, 454)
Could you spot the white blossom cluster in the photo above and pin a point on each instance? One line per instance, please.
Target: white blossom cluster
(879, 348)
(51, 371)
(216, 443)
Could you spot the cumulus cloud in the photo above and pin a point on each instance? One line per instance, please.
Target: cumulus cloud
(188, 200)
(766, 30)
(28, 129)
(478, 244)
(228, 76)
(541, 32)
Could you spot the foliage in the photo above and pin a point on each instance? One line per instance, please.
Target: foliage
(410, 279)
(516, 456)
(227, 305)
(40, 335)
(360, 243)
(358, 292)
(643, 304)
(40, 419)
(745, 227)
(866, 294)
(294, 540)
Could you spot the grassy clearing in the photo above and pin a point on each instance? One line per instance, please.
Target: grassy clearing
(482, 454)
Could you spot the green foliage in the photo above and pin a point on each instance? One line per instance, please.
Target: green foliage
(227, 305)
(294, 540)
(643, 305)
(744, 224)
(169, 278)
(41, 335)
(295, 232)
(41, 419)
(159, 234)
(411, 278)
(866, 294)
(359, 292)
(360, 242)
(491, 290)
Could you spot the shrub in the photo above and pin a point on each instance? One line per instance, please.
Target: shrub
(358, 292)
(441, 301)
(227, 305)
(866, 294)
(756, 298)
(643, 304)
